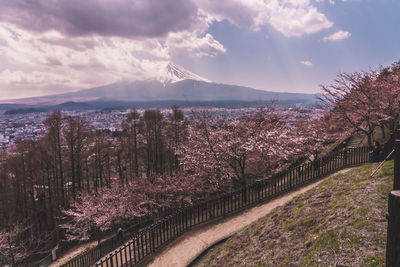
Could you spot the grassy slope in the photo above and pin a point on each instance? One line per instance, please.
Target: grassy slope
(341, 222)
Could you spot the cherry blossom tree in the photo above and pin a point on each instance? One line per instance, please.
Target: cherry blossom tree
(255, 145)
(354, 101)
(14, 247)
(387, 85)
(317, 132)
(119, 205)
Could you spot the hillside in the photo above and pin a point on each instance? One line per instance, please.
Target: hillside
(341, 222)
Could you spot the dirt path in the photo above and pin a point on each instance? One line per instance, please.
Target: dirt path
(189, 246)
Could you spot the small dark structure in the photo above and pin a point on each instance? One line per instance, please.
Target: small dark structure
(393, 230)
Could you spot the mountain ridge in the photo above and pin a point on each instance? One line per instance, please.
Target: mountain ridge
(185, 90)
(174, 83)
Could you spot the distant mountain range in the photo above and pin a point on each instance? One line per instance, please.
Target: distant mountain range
(175, 86)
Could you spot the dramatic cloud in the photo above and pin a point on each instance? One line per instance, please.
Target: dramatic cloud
(290, 17)
(184, 44)
(300, 21)
(306, 63)
(339, 35)
(150, 18)
(155, 18)
(250, 13)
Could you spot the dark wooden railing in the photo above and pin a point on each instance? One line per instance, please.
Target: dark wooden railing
(155, 236)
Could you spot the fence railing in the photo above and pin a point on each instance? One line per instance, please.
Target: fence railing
(90, 256)
(149, 239)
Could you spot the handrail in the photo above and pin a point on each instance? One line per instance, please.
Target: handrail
(145, 241)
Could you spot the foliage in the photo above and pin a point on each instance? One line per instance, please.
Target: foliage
(119, 205)
(361, 101)
(253, 146)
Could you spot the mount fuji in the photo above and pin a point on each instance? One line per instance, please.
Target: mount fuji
(175, 73)
(171, 83)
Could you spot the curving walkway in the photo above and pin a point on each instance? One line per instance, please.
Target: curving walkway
(189, 246)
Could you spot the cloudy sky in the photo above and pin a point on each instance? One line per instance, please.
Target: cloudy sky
(53, 46)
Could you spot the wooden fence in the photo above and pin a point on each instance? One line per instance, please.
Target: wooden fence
(153, 237)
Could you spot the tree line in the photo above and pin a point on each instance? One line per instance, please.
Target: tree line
(76, 182)
(40, 179)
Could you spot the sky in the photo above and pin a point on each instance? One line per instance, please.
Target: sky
(55, 46)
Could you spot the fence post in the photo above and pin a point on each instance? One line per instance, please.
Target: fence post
(396, 180)
(152, 246)
(111, 260)
(393, 230)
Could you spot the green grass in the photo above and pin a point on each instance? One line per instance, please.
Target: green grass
(375, 261)
(352, 239)
(326, 241)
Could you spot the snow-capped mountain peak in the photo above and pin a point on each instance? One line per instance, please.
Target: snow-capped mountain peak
(176, 73)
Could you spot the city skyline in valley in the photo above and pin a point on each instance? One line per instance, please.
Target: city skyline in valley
(52, 47)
